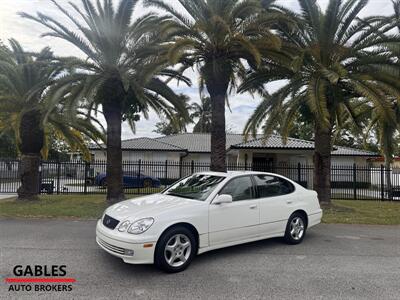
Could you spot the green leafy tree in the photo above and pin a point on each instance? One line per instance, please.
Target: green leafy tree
(120, 71)
(218, 38)
(29, 110)
(202, 112)
(333, 58)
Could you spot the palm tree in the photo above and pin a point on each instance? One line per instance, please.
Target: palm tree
(28, 109)
(120, 71)
(202, 112)
(385, 129)
(176, 124)
(386, 132)
(216, 37)
(334, 59)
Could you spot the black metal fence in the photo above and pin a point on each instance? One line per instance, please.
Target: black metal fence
(145, 177)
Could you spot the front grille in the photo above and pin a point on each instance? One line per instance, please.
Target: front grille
(110, 222)
(110, 247)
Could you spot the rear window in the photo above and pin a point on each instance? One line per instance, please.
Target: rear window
(271, 186)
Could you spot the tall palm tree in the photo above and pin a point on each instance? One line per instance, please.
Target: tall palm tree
(334, 59)
(202, 112)
(386, 129)
(217, 37)
(120, 70)
(386, 133)
(28, 110)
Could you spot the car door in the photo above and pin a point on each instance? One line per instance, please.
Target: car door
(236, 221)
(277, 198)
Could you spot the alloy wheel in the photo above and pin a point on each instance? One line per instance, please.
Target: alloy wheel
(297, 228)
(177, 250)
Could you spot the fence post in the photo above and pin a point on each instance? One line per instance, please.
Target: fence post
(139, 170)
(87, 165)
(58, 176)
(355, 181)
(166, 171)
(180, 168)
(298, 173)
(40, 176)
(192, 166)
(382, 184)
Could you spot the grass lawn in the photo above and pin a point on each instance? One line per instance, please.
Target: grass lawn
(363, 212)
(92, 206)
(56, 206)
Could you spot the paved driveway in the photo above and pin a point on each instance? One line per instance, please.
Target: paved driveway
(333, 262)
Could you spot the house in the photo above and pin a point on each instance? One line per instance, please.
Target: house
(196, 147)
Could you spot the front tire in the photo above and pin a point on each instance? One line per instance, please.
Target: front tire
(295, 229)
(175, 250)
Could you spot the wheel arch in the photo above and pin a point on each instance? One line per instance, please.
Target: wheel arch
(188, 226)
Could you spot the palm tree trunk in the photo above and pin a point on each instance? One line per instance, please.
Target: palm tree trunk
(31, 134)
(29, 176)
(389, 187)
(322, 163)
(113, 115)
(218, 93)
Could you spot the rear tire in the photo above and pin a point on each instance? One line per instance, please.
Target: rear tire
(104, 183)
(295, 229)
(175, 250)
(147, 183)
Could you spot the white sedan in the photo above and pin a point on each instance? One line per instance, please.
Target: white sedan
(207, 211)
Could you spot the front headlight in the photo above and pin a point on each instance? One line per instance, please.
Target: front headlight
(124, 226)
(140, 226)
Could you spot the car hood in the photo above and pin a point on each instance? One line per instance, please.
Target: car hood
(148, 206)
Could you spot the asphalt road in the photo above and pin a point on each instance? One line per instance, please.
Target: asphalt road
(333, 262)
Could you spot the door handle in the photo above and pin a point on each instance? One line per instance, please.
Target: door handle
(254, 206)
(289, 201)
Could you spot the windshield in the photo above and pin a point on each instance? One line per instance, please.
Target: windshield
(198, 186)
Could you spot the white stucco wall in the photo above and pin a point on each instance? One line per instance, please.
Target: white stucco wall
(343, 160)
(197, 157)
(156, 156)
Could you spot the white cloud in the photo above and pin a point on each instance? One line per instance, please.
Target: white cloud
(28, 33)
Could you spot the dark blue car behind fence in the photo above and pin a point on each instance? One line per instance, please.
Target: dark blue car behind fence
(135, 180)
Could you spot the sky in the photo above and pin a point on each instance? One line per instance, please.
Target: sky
(28, 34)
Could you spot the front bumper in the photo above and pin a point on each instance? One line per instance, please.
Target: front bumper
(129, 252)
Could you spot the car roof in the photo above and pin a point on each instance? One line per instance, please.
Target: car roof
(230, 174)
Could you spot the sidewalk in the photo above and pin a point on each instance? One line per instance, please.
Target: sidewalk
(6, 196)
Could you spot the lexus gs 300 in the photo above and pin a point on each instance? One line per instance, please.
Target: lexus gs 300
(207, 211)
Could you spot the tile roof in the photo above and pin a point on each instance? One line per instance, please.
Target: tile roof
(199, 142)
(346, 151)
(144, 143)
(275, 142)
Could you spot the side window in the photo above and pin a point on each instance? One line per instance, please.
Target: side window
(270, 186)
(240, 188)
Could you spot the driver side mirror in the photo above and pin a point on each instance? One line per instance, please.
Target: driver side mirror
(223, 198)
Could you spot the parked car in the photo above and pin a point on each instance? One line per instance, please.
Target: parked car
(206, 211)
(134, 180)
